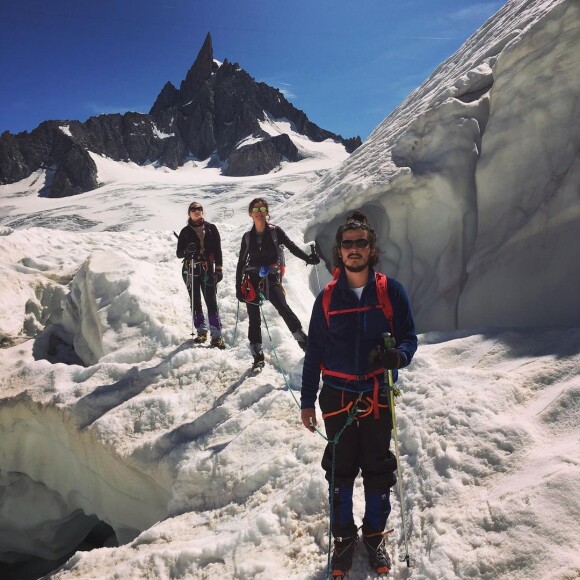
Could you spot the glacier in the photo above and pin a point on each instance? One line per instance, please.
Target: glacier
(187, 466)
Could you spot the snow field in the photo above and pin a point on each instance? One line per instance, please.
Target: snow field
(187, 438)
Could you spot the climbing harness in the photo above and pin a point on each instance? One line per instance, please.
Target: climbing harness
(360, 412)
(374, 375)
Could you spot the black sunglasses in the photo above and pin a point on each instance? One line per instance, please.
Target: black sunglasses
(348, 244)
(196, 208)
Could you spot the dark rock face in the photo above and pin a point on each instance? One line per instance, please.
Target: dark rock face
(13, 166)
(76, 173)
(261, 157)
(168, 97)
(213, 111)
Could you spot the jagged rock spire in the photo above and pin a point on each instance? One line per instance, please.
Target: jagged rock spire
(168, 97)
(198, 73)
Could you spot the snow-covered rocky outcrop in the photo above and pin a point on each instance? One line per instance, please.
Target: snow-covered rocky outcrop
(473, 182)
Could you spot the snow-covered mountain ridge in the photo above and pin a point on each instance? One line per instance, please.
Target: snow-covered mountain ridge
(217, 106)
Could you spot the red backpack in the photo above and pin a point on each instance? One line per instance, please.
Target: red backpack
(384, 304)
(382, 296)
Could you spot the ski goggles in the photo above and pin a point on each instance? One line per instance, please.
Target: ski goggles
(360, 243)
(260, 209)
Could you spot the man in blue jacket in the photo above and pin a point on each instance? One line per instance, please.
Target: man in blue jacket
(349, 319)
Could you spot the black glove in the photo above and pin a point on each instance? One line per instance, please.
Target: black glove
(218, 276)
(313, 259)
(388, 358)
(190, 250)
(239, 295)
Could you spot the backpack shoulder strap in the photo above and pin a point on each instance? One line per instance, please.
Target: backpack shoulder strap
(279, 249)
(274, 235)
(383, 298)
(247, 251)
(327, 295)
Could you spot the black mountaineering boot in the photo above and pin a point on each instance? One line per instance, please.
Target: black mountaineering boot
(259, 363)
(201, 337)
(378, 557)
(258, 354)
(217, 342)
(342, 555)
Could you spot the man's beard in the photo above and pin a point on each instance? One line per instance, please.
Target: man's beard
(358, 268)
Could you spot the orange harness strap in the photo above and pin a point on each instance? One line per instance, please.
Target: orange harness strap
(342, 410)
(360, 414)
(372, 375)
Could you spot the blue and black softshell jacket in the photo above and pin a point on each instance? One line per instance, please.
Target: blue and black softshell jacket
(344, 345)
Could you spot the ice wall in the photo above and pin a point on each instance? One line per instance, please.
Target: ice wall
(472, 183)
(71, 479)
(105, 309)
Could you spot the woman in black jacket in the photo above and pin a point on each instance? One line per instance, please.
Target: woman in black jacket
(260, 270)
(200, 247)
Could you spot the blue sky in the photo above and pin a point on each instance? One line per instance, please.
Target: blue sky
(346, 63)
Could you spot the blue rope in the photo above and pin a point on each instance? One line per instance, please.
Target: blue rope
(281, 368)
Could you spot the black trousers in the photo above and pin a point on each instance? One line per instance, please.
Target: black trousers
(203, 285)
(363, 446)
(275, 293)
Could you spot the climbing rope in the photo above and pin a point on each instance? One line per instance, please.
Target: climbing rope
(282, 371)
(349, 419)
(334, 442)
(351, 416)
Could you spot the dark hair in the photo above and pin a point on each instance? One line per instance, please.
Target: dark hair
(356, 221)
(260, 200)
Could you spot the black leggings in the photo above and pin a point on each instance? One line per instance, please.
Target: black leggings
(277, 296)
(203, 284)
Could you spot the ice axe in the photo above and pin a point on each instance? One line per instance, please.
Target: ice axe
(312, 253)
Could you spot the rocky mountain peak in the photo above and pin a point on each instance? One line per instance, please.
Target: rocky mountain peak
(199, 72)
(214, 110)
(168, 97)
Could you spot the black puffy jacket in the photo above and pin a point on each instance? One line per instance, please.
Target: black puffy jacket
(266, 254)
(212, 243)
